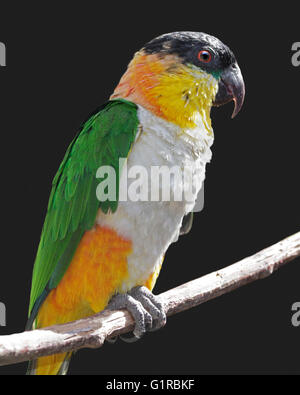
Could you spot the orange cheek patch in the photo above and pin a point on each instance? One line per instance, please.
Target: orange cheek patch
(96, 272)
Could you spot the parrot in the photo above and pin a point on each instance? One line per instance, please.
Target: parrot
(99, 254)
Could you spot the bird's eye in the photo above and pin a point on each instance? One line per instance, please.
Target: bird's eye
(204, 56)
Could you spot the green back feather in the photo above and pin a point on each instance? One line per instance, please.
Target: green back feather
(73, 205)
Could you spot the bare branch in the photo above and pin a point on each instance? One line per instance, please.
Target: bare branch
(93, 331)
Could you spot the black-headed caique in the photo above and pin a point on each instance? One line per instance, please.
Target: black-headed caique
(96, 254)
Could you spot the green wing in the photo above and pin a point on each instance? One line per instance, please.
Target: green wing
(105, 137)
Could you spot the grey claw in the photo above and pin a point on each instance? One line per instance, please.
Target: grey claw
(143, 319)
(129, 338)
(145, 308)
(152, 304)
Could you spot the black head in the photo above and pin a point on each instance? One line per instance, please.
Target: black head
(197, 49)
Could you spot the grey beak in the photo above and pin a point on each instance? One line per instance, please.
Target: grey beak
(231, 87)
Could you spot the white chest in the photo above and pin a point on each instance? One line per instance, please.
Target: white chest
(179, 158)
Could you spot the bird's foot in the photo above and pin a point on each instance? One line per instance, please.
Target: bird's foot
(146, 309)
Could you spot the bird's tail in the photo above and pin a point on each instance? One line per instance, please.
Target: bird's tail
(57, 364)
(50, 366)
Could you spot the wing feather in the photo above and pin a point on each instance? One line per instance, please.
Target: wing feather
(107, 136)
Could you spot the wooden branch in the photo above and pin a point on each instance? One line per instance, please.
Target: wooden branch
(93, 331)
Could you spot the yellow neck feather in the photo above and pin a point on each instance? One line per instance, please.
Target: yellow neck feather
(171, 90)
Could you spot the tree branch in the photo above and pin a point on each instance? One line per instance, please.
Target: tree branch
(93, 331)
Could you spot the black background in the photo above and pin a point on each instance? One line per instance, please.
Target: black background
(64, 63)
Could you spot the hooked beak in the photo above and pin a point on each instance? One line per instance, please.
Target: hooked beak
(231, 87)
